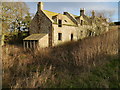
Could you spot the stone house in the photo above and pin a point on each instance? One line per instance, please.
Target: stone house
(50, 29)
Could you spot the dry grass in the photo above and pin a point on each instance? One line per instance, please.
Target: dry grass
(51, 67)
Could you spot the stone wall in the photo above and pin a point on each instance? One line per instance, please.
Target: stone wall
(79, 32)
(43, 42)
(66, 33)
(34, 25)
(41, 24)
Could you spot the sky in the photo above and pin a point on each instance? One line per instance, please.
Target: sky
(64, 0)
(74, 7)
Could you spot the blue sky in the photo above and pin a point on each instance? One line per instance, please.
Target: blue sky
(74, 7)
(64, 0)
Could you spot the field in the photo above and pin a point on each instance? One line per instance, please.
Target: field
(88, 63)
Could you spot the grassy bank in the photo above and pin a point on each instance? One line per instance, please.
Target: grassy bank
(89, 63)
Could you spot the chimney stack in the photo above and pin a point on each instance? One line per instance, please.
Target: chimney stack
(82, 12)
(93, 13)
(40, 6)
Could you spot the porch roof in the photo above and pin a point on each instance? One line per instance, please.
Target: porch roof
(34, 37)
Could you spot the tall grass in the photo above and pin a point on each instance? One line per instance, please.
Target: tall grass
(87, 63)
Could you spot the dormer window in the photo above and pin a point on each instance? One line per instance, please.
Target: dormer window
(59, 23)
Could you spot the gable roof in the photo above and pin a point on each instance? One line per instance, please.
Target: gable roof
(35, 37)
(88, 19)
(50, 14)
(69, 21)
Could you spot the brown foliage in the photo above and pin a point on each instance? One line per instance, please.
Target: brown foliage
(36, 68)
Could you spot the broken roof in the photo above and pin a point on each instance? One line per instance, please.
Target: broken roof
(35, 37)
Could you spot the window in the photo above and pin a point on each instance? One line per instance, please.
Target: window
(90, 33)
(81, 22)
(65, 20)
(71, 37)
(59, 36)
(81, 33)
(59, 23)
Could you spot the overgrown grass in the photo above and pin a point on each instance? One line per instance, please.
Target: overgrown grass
(88, 63)
(14, 38)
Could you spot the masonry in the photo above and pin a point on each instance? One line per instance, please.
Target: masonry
(49, 29)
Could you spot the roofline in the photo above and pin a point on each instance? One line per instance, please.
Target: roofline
(46, 16)
(29, 40)
(33, 40)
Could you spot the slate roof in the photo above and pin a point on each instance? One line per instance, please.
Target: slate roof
(64, 17)
(88, 19)
(35, 37)
(49, 13)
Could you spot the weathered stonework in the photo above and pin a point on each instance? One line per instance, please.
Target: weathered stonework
(69, 26)
(66, 32)
(44, 41)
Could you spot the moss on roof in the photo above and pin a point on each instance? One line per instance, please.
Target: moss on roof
(69, 21)
(50, 13)
(77, 17)
(64, 17)
(88, 19)
(35, 37)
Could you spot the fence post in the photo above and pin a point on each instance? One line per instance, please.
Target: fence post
(27, 44)
(24, 44)
(34, 44)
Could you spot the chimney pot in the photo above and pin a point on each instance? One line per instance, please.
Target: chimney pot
(40, 6)
(82, 11)
(93, 13)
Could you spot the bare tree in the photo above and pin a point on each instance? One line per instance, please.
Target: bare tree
(106, 14)
(12, 12)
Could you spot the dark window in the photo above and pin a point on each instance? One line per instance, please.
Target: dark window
(98, 28)
(59, 23)
(59, 36)
(65, 20)
(71, 37)
(90, 33)
(81, 22)
(81, 33)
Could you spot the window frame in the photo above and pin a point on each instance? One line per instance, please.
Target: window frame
(71, 37)
(59, 23)
(60, 36)
(81, 22)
